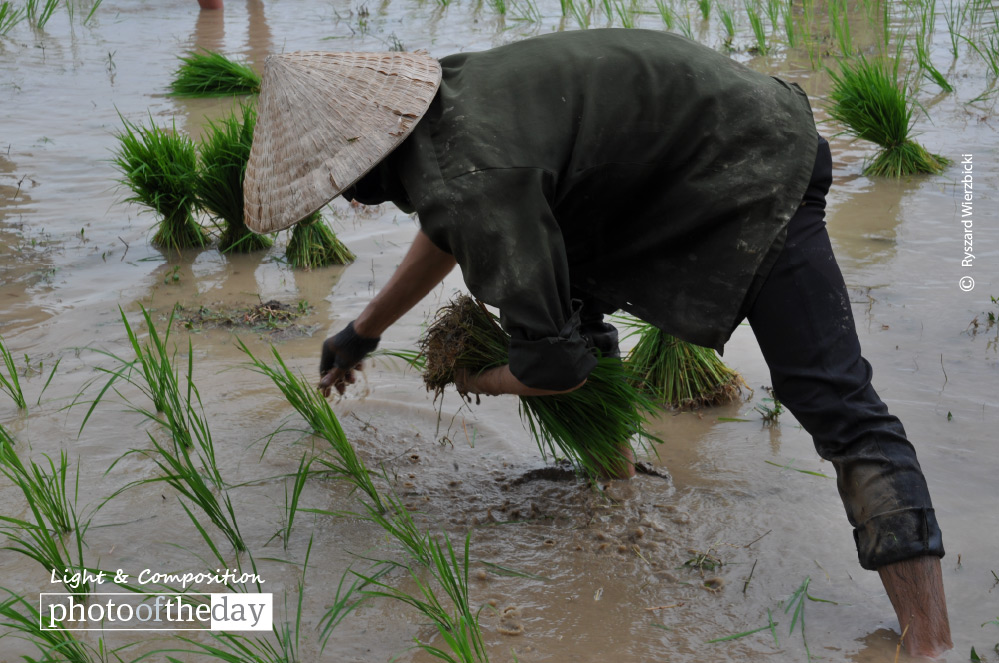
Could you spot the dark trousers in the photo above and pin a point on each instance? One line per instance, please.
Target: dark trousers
(804, 325)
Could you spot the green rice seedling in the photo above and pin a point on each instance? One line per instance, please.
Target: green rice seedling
(93, 10)
(54, 526)
(22, 619)
(705, 7)
(796, 602)
(955, 14)
(31, 10)
(188, 464)
(684, 25)
(314, 244)
(157, 377)
(868, 98)
(923, 54)
(218, 187)
(680, 374)
(987, 49)
(759, 32)
(291, 498)
(728, 24)
(499, 6)
(839, 26)
(787, 17)
(10, 383)
(210, 74)
(580, 14)
(314, 408)
(526, 10)
(666, 12)
(47, 489)
(773, 9)
(627, 17)
(457, 624)
(46, 13)
(9, 16)
(588, 425)
(160, 168)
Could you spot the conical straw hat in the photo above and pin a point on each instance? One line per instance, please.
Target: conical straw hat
(324, 120)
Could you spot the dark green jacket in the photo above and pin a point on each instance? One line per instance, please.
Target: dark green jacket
(633, 168)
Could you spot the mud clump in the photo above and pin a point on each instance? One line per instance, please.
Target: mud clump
(272, 317)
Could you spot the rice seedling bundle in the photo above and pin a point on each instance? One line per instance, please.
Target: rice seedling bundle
(588, 425)
(210, 74)
(10, 383)
(680, 374)
(218, 187)
(314, 244)
(159, 167)
(868, 98)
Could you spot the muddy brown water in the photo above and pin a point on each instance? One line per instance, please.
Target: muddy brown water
(608, 580)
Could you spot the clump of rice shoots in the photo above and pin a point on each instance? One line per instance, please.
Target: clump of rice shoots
(680, 374)
(160, 167)
(219, 186)
(590, 426)
(314, 244)
(211, 74)
(868, 98)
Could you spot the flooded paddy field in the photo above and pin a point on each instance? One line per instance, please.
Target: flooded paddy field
(646, 570)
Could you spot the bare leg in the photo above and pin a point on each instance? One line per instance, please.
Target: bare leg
(210, 4)
(915, 587)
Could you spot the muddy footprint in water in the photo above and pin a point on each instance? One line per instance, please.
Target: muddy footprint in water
(510, 622)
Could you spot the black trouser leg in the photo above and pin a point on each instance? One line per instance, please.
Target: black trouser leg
(804, 325)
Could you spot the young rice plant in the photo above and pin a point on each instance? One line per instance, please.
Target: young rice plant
(314, 244)
(869, 99)
(210, 74)
(219, 184)
(159, 167)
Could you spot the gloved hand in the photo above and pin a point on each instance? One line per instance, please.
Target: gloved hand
(602, 336)
(342, 354)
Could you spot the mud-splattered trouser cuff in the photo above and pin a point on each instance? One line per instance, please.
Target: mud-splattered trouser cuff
(898, 535)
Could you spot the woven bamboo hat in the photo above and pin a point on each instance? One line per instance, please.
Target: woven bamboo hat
(323, 121)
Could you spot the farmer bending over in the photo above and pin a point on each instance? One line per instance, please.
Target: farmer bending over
(578, 173)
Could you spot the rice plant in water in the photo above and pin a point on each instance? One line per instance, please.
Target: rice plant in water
(218, 187)
(159, 167)
(45, 13)
(314, 244)
(188, 463)
(588, 425)
(210, 74)
(53, 534)
(759, 32)
(314, 408)
(457, 624)
(680, 374)
(22, 619)
(868, 98)
(9, 16)
(10, 383)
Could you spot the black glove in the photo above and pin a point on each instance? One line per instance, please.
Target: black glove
(345, 350)
(602, 336)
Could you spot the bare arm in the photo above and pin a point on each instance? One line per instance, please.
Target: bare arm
(500, 380)
(915, 587)
(422, 268)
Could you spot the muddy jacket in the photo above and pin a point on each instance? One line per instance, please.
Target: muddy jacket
(632, 168)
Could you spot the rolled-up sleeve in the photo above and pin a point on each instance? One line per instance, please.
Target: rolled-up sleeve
(499, 226)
